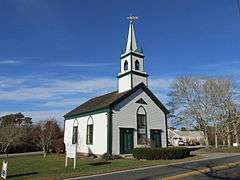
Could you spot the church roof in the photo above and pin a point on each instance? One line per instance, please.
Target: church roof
(109, 100)
(96, 103)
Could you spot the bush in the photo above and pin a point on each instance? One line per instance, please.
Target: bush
(161, 153)
(58, 146)
(107, 157)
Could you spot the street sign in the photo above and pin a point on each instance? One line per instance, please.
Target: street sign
(4, 170)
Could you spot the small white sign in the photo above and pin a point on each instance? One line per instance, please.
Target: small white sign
(71, 151)
(235, 144)
(4, 170)
(142, 131)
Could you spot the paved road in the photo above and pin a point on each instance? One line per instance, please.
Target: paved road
(176, 171)
(227, 174)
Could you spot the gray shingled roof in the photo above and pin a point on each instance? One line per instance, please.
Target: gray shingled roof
(99, 102)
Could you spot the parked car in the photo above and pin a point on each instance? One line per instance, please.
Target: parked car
(181, 143)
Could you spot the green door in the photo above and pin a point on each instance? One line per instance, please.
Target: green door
(156, 137)
(126, 140)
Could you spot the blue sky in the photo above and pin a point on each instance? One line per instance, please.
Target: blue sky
(56, 54)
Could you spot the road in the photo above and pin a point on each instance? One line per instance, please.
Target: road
(228, 174)
(219, 167)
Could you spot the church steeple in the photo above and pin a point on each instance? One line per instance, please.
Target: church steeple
(131, 41)
(132, 62)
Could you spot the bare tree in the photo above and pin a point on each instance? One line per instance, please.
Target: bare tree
(46, 132)
(189, 105)
(203, 102)
(13, 129)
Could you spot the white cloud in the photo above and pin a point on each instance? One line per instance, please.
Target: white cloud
(63, 103)
(85, 64)
(56, 92)
(6, 82)
(58, 95)
(224, 68)
(9, 62)
(160, 87)
(52, 89)
(160, 83)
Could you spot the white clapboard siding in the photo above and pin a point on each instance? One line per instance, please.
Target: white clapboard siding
(99, 145)
(124, 116)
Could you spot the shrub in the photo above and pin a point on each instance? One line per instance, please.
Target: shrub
(161, 153)
(107, 157)
(58, 146)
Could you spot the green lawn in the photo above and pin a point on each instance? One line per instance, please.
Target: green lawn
(52, 167)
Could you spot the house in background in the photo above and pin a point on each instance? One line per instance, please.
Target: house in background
(185, 138)
(119, 121)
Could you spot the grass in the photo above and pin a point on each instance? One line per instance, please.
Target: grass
(219, 150)
(52, 167)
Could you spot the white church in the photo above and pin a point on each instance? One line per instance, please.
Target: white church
(119, 121)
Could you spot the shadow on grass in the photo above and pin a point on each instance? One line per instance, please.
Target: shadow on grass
(23, 174)
(99, 163)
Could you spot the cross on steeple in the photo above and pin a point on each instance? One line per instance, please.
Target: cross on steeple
(132, 18)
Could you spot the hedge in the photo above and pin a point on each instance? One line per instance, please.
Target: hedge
(161, 153)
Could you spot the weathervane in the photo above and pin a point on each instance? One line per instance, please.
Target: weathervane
(132, 18)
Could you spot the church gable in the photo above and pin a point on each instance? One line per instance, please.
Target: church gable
(134, 95)
(127, 111)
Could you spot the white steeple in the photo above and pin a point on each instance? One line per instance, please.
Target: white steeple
(132, 63)
(131, 41)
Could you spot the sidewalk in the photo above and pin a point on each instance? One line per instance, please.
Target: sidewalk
(214, 155)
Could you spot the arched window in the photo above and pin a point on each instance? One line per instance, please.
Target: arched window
(137, 65)
(89, 131)
(75, 135)
(125, 65)
(141, 125)
(75, 132)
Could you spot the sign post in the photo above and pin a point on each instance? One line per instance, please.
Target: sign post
(71, 152)
(71, 148)
(4, 170)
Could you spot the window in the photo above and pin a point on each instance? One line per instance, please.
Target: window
(125, 65)
(75, 135)
(141, 126)
(90, 134)
(137, 65)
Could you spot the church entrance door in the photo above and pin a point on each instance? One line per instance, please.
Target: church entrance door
(156, 137)
(126, 140)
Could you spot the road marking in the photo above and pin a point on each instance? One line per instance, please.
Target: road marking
(203, 170)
